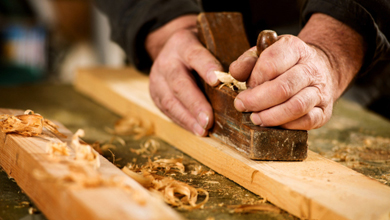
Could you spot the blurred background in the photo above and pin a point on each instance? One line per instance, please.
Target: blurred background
(46, 40)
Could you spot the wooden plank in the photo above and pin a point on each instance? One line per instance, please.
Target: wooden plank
(21, 157)
(316, 188)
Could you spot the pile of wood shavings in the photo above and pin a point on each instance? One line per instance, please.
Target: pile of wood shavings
(83, 152)
(29, 124)
(174, 192)
(227, 80)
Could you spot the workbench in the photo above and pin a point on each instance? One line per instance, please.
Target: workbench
(354, 137)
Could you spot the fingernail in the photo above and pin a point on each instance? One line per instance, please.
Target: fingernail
(198, 130)
(239, 105)
(256, 119)
(203, 120)
(211, 77)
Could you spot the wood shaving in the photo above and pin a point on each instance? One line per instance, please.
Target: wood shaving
(83, 151)
(80, 176)
(132, 126)
(167, 165)
(57, 149)
(174, 192)
(254, 208)
(212, 182)
(96, 146)
(29, 124)
(148, 147)
(227, 80)
(198, 171)
(32, 210)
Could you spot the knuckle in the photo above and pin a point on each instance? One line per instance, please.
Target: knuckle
(285, 89)
(168, 104)
(267, 67)
(193, 54)
(297, 107)
(179, 84)
(311, 120)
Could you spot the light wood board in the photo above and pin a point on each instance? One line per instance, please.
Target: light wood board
(316, 188)
(21, 157)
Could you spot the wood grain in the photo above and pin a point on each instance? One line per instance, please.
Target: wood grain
(316, 188)
(22, 156)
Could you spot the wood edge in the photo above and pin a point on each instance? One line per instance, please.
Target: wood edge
(20, 164)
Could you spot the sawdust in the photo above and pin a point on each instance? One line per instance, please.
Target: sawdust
(29, 124)
(254, 208)
(227, 80)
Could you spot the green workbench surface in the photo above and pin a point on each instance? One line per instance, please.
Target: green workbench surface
(354, 137)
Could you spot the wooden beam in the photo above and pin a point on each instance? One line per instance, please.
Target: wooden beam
(21, 157)
(316, 188)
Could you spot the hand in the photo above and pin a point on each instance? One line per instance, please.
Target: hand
(172, 86)
(290, 84)
(295, 81)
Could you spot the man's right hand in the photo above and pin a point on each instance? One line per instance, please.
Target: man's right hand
(176, 51)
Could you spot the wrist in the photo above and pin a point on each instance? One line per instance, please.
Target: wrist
(341, 46)
(156, 39)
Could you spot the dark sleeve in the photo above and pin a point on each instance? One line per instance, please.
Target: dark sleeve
(370, 18)
(132, 20)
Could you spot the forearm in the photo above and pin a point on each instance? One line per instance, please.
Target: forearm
(132, 20)
(342, 45)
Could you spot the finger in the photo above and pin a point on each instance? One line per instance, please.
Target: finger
(201, 60)
(172, 107)
(277, 59)
(316, 118)
(294, 108)
(188, 93)
(274, 92)
(243, 66)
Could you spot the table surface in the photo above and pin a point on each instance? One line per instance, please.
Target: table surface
(353, 137)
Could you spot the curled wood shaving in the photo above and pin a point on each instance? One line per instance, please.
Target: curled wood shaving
(255, 208)
(144, 179)
(167, 165)
(149, 147)
(57, 149)
(108, 146)
(198, 171)
(174, 192)
(228, 80)
(83, 151)
(132, 126)
(178, 194)
(29, 124)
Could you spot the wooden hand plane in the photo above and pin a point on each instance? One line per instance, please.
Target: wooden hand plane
(224, 36)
